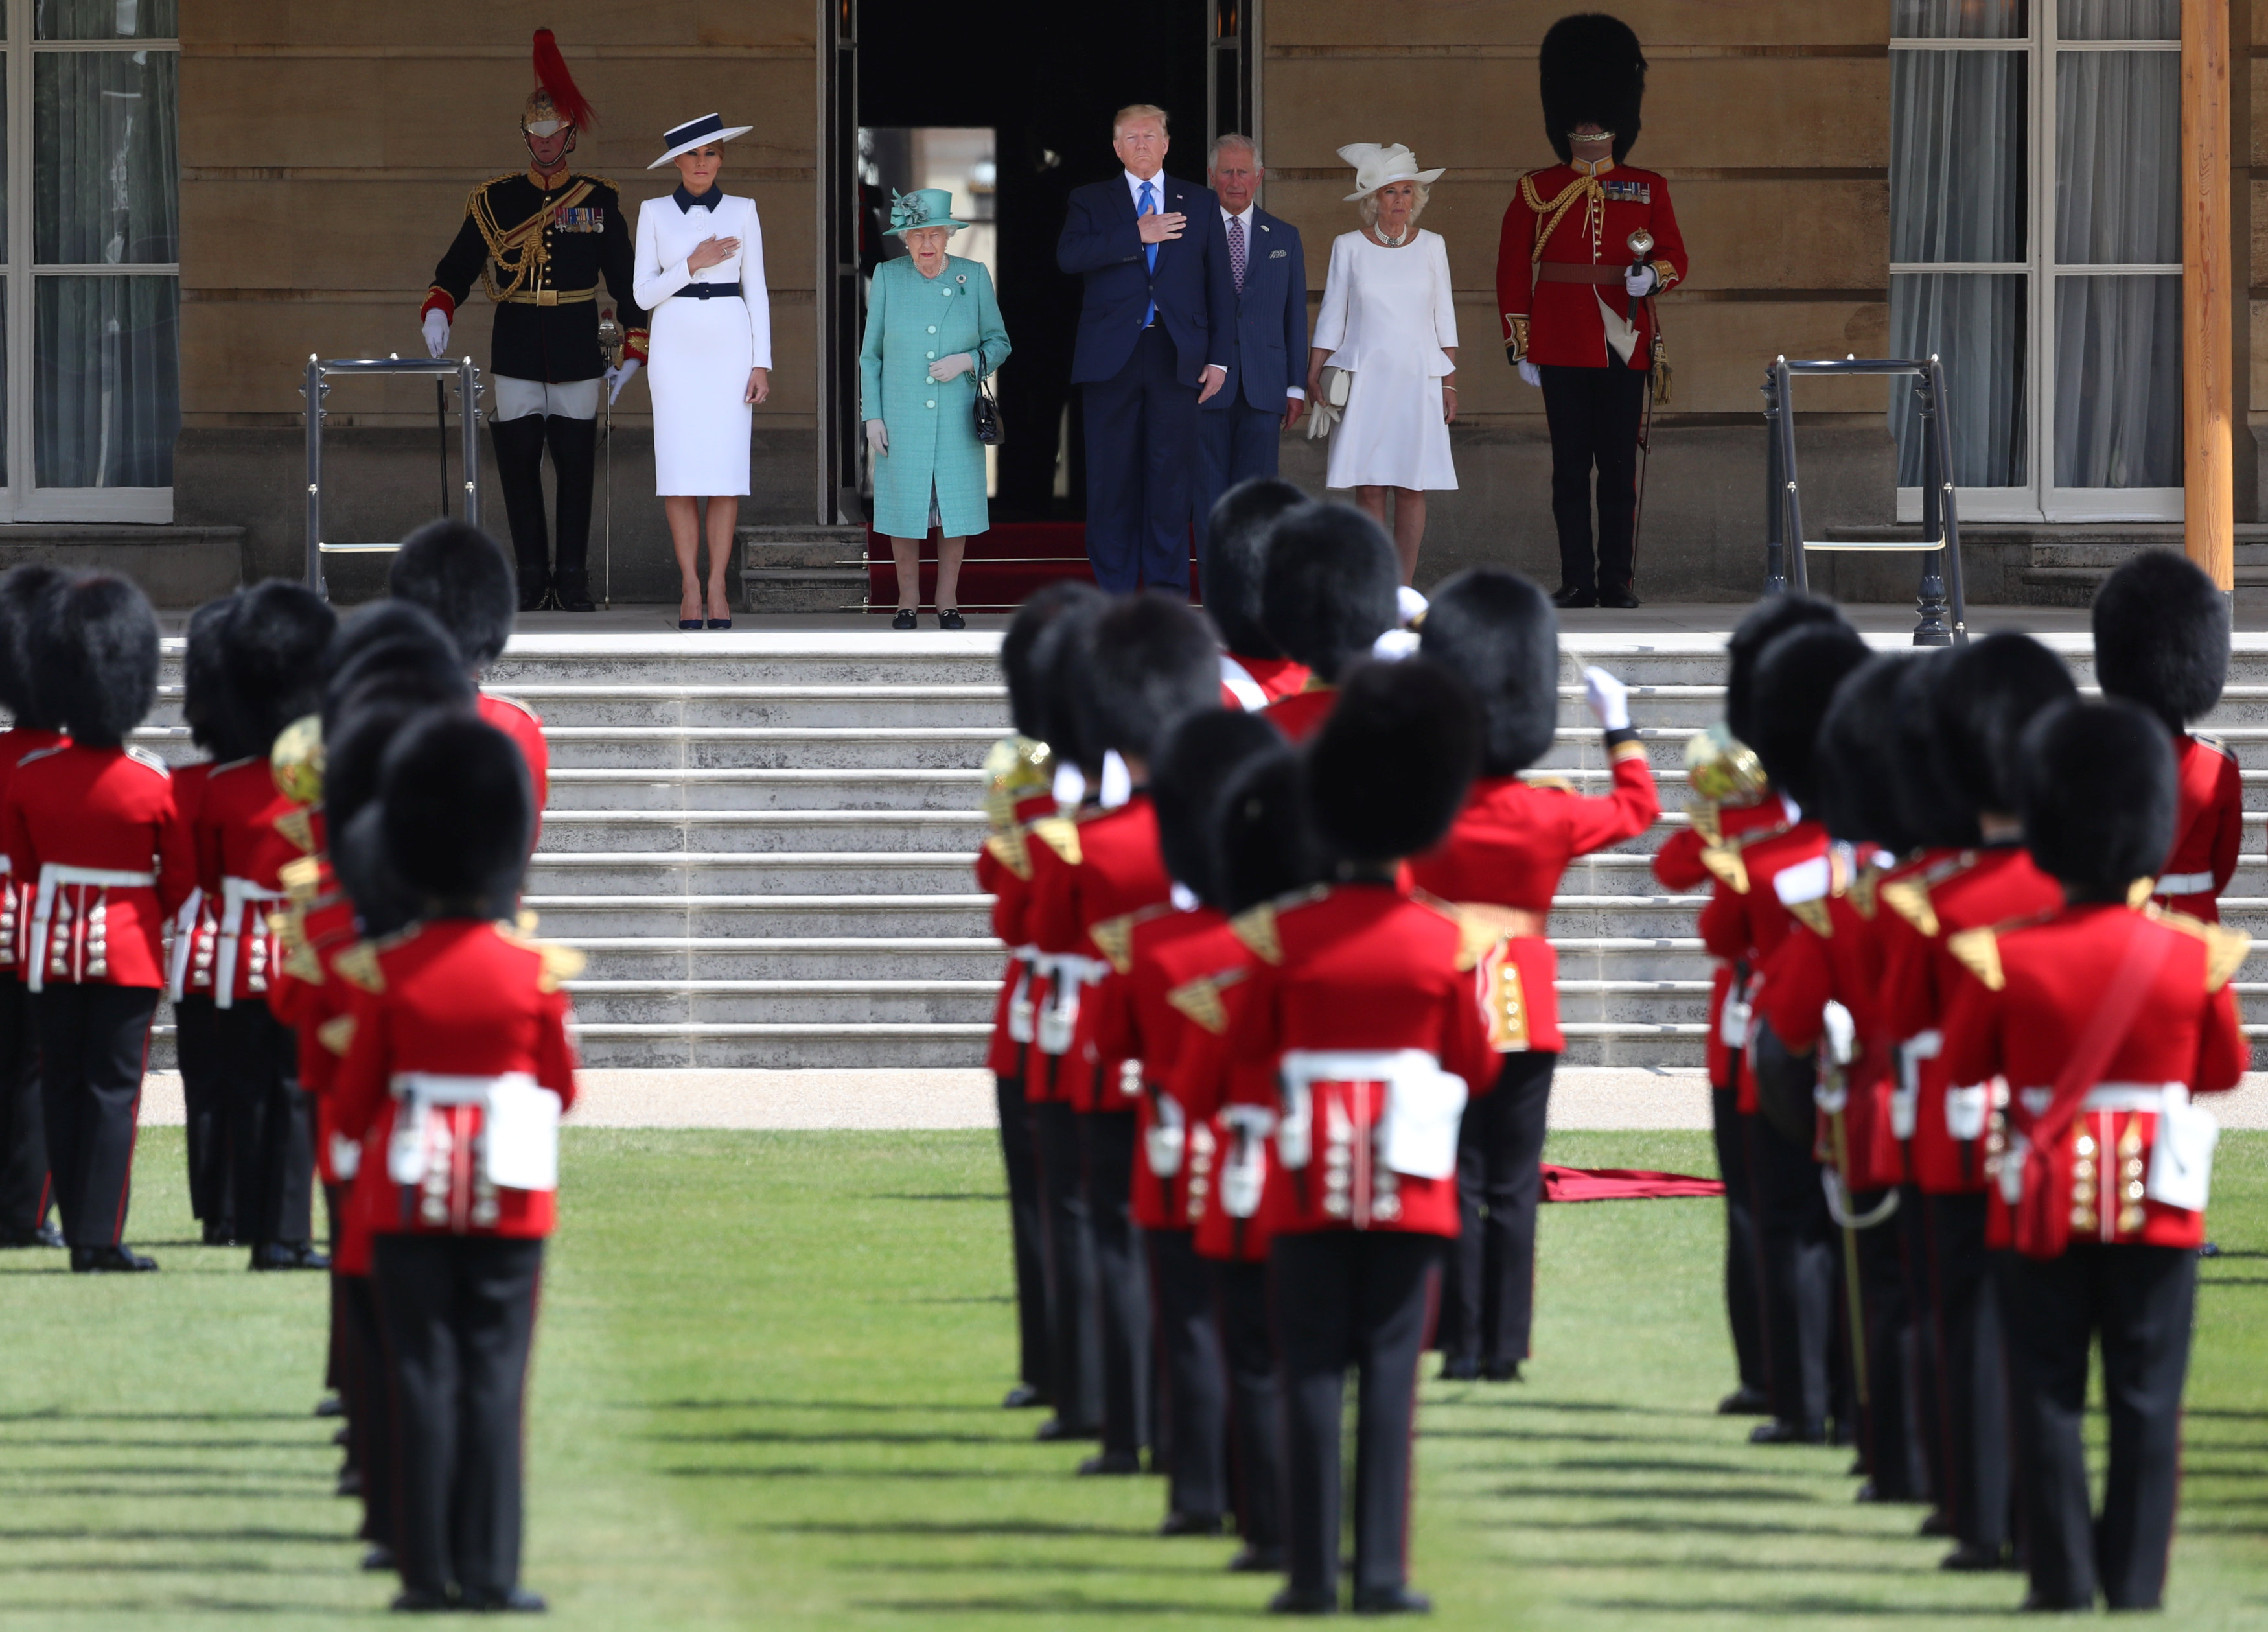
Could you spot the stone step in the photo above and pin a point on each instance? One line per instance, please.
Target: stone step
(757, 831)
(661, 875)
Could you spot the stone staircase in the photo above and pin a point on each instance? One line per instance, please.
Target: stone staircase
(763, 843)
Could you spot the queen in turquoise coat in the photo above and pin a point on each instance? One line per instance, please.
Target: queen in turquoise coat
(934, 332)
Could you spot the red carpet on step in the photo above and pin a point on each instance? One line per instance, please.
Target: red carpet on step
(1002, 566)
(1621, 1184)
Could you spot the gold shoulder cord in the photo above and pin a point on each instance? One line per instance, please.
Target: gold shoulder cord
(520, 249)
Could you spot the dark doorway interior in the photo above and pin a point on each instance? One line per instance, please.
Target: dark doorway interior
(1046, 77)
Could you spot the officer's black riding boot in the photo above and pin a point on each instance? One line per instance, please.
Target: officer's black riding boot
(574, 462)
(520, 472)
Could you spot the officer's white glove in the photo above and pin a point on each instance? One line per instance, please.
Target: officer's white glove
(619, 376)
(1642, 282)
(950, 367)
(1530, 374)
(436, 332)
(1609, 697)
(878, 438)
(1408, 605)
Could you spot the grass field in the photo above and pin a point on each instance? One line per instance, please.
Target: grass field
(765, 1396)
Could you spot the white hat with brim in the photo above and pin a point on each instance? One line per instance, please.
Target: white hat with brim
(696, 133)
(1376, 166)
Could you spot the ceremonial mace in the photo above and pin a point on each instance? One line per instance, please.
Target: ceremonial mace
(1641, 245)
(610, 346)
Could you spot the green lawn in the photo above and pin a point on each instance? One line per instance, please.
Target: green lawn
(766, 1390)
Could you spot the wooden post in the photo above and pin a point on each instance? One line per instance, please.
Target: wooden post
(2208, 295)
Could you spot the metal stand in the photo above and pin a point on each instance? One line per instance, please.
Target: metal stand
(468, 407)
(1785, 548)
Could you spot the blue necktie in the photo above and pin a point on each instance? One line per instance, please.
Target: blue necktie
(1150, 251)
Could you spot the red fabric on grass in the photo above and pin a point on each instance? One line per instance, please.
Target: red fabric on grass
(1622, 1184)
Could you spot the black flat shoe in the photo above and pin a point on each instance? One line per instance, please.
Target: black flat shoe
(534, 590)
(1391, 1602)
(1303, 1601)
(1620, 596)
(109, 1260)
(519, 1601)
(1779, 1431)
(571, 592)
(1110, 1464)
(949, 617)
(1936, 1521)
(1745, 1402)
(1023, 1397)
(1257, 1560)
(350, 1483)
(330, 1405)
(1455, 1369)
(418, 1602)
(903, 620)
(1972, 1558)
(45, 1235)
(377, 1557)
(1056, 1428)
(221, 1235)
(1500, 1371)
(1573, 595)
(1190, 1524)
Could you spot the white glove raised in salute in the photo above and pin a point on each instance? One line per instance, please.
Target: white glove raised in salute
(952, 366)
(1609, 697)
(436, 332)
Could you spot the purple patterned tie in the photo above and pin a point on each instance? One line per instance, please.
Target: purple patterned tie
(1236, 250)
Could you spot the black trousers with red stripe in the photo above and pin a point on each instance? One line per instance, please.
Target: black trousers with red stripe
(93, 1043)
(459, 1313)
(369, 1396)
(196, 1048)
(1192, 1430)
(1256, 1425)
(24, 1191)
(1020, 1157)
(1122, 1281)
(271, 1128)
(1353, 1300)
(1067, 1243)
(1972, 1371)
(1488, 1303)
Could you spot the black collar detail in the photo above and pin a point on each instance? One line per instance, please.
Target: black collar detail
(688, 202)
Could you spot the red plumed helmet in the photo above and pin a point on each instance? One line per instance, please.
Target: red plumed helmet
(556, 96)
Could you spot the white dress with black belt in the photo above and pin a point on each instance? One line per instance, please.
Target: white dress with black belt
(702, 347)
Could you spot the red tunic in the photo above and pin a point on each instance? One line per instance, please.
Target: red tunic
(2207, 828)
(1745, 922)
(1256, 682)
(16, 893)
(99, 824)
(1301, 714)
(307, 994)
(241, 854)
(524, 726)
(1088, 913)
(2016, 1023)
(1372, 978)
(454, 998)
(1004, 871)
(1971, 889)
(1507, 849)
(1682, 865)
(1587, 221)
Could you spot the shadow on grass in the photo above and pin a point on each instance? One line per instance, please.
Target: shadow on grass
(833, 1472)
(892, 1405)
(58, 1442)
(936, 1195)
(962, 1528)
(1652, 1493)
(109, 1532)
(1051, 1605)
(1686, 1608)
(765, 1437)
(57, 1415)
(188, 1603)
(31, 1488)
(1659, 1464)
(1632, 1524)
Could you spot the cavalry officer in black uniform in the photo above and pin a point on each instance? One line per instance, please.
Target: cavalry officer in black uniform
(538, 240)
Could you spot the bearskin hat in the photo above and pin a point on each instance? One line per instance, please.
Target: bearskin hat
(389, 641)
(463, 577)
(1932, 811)
(206, 705)
(1327, 589)
(27, 595)
(1195, 760)
(1857, 781)
(1027, 687)
(1795, 681)
(1234, 568)
(2161, 637)
(2098, 793)
(1059, 653)
(1500, 634)
(458, 811)
(1264, 839)
(94, 655)
(271, 649)
(1991, 689)
(1591, 69)
(1388, 770)
(1152, 659)
(1766, 622)
(382, 901)
(364, 720)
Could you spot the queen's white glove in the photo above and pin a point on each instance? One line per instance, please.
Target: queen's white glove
(1609, 697)
(952, 366)
(1642, 282)
(1530, 374)
(878, 438)
(619, 376)
(436, 332)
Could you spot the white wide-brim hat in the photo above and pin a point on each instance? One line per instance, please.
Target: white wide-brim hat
(696, 133)
(1376, 166)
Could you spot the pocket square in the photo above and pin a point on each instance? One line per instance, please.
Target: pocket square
(1278, 255)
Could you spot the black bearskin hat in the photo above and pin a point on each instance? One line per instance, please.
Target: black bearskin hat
(1195, 760)
(1795, 681)
(2161, 637)
(1328, 588)
(1060, 652)
(462, 576)
(356, 735)
(1591, 69)
(272, 649)
(1153, 660)
(206, 705)
(1857, 778)
(1931, 809)
(1766, 622)
(391, 641)
(1235, 562)
(1027, 685)
(2098, 795)
(357, 846)
(95, 658)
(1263, 840)
(1500, 634)
(1991, 689)
(1388, 770)
(27, 595)
(458, 809)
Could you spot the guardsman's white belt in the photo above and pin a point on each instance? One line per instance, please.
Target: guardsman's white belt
(56, 875)
(185, 937)
(519, 1126)
(2184, 884)
(237, 896)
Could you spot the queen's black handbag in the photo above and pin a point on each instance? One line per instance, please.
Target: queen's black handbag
(988, 415)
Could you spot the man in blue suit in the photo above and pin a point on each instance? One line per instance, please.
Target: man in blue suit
(1239, 430)
(1154, 331)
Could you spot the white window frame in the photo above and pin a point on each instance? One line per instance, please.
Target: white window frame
(20, 499)
(2040, 500)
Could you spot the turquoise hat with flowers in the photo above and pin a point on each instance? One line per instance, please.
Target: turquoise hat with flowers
(924, 206)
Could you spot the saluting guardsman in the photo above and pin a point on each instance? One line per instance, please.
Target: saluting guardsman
(1587, 244)
(2104, 1018)
(538, 240)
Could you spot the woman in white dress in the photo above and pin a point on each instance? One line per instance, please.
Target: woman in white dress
(701, 274)
(1389, 319)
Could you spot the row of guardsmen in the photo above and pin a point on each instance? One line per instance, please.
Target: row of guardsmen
(330, 900)
(1277, 1035)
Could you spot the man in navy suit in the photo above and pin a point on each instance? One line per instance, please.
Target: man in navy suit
(1239, 430)
(1154, 331)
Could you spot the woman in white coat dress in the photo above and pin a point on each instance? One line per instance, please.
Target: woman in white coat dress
(1389, 318)
(701, 274)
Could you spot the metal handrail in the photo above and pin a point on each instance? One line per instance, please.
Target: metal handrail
(1786, 548)
(468, 376)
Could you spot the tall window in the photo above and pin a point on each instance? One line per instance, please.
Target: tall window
(90, 285)
(2036, 245)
